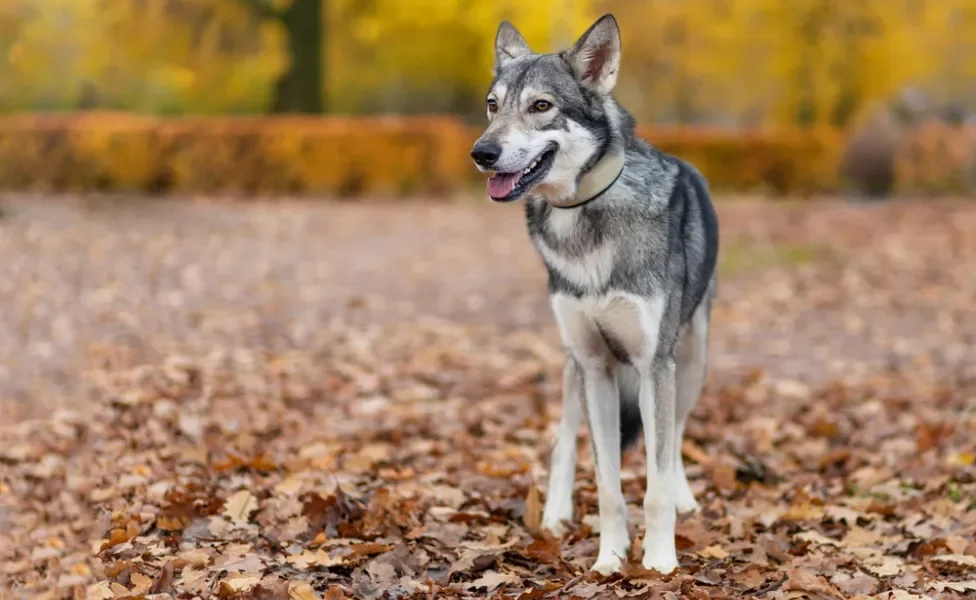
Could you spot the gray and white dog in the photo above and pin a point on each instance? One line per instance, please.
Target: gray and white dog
(630, 238)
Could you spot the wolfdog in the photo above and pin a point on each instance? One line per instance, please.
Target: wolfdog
(629, 237)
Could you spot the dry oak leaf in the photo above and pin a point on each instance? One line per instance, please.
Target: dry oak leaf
(956, 586)
(544, 550)
(479, 556)
(308, 558)
(714, 551)
(240, 506)
(237, 584)
(301, 590)
(533, 510)
(815, 537)
(859, 583)
(954, 562)
(491, 580)
(100, 591)
(723, 477)
(805, 581)
(956, 544)
(882, 565)
(140, 584)
(803, 511)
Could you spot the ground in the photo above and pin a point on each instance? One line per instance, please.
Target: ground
(302, 399)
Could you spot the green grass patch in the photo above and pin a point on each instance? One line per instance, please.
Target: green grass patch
(742, 256)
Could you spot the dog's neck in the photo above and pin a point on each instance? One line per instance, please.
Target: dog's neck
(598, 180)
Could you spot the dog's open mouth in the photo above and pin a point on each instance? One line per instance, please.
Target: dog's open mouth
(508, 187)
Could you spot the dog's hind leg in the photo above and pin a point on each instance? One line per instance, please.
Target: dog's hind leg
(691, 365)
(562, 461)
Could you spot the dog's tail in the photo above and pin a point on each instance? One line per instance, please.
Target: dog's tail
(630, 417)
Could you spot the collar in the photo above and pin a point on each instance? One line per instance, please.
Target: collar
(597, 180)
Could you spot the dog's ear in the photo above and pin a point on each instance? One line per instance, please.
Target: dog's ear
(509, 46)
(596, 56)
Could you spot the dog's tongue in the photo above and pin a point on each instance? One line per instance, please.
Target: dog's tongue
(502, 184)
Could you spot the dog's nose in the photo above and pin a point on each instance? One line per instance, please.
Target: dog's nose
(486, 153)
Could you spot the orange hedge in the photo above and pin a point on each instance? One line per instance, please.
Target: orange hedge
(247, 156)
(340, 156)
(777, 162)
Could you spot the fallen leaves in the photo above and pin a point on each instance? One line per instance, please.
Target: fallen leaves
(271, 458)
(240, 506)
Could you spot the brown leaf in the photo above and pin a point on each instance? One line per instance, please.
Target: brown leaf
(381, 571)
(954, 563)
(715, 551)
(301, 590)
(163, 583)
(140, 584)
(882, 565)
(723, 478)
(544, 550)
(750, 578)
(100, 591)
(334, 593)
(859, 583)
(803, 510)
(491, 580)
(956, 586)
(956, 544)
(694, 452)
(369, 549)
(240, 506)
(804, 581)
(533, 510)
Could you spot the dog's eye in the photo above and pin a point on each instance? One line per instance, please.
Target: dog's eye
(542, 105)
(492, 106)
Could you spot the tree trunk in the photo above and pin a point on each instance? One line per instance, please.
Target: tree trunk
(299, 89)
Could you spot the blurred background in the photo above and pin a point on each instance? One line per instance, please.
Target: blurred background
(890, 81)
(725, 63)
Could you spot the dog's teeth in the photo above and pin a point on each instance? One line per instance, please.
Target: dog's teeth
(526, 171)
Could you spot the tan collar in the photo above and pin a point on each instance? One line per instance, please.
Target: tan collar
(598, 179)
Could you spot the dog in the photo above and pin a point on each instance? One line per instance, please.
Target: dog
(629, 237)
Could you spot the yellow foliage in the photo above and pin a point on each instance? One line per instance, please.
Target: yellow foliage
(394, 156)
(739, 63)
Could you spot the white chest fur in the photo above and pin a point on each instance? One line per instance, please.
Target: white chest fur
(591, 271)
(634, 322)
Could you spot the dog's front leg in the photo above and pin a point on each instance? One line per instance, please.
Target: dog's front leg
(603, 410)
(657, 407)
(562, 461)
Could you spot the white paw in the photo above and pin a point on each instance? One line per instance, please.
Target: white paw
(557, 526)
(660, 557)
(684, 498)
(606, 565)
(685, 503)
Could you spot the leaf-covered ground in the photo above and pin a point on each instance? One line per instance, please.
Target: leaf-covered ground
(292, 401)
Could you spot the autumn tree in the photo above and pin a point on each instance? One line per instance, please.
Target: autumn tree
(300, 87)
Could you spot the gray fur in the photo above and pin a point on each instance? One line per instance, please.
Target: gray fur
(652, 235)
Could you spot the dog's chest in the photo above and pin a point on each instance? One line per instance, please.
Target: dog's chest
(588, 266)
(625, 325)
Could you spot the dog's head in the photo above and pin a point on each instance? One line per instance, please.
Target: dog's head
(548, 114)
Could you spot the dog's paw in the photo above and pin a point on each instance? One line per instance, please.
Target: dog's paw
(557, 527)
(684, 498)
(660, 557)
(607, 565)
(685, 504)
